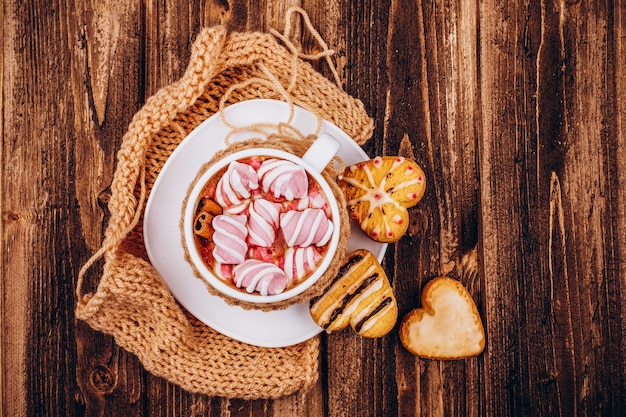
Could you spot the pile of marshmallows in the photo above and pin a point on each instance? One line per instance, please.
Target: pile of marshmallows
(260, 201)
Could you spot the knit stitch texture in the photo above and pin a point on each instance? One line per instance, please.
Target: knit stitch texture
(131, 302)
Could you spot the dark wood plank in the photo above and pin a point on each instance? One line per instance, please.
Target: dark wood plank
(17, 224)
(432, 107)
(617, 34)
(503, 139)
(357, 374)
(106, 59)
(588, 270)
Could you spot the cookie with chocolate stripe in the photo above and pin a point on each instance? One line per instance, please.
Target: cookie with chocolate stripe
(360, 296)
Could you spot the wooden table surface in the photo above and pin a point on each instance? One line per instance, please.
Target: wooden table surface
(516, 110)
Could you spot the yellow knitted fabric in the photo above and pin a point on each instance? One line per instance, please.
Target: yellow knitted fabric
(131, 302)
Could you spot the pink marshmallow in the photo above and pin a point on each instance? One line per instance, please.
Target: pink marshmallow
(230, 238)
(236, 185)
(283, 179)
(300, 262)
(263, 222)
(307, 227)
(262, 277)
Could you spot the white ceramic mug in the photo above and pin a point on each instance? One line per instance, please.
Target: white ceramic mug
(317, 157)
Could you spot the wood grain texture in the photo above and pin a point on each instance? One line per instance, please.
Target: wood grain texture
(515, 110)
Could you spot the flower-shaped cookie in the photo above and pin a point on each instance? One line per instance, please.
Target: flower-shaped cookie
(380, 191)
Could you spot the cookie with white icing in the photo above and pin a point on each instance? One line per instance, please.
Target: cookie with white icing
(360, 296)
(379, 192)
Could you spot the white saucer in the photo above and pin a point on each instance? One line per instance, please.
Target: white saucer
(163, 237)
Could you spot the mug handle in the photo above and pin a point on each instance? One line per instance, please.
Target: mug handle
(321, 152)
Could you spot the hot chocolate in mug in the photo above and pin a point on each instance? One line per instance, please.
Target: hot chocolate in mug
(262, 225)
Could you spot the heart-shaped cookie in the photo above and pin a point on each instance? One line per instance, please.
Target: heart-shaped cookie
(380, 191)
(447, 326)
(360, 295)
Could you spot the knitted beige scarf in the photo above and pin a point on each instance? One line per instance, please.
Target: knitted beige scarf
(131, 302)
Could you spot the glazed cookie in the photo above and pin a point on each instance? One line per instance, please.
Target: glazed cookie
(360, 295)
(447, 326)
(380, 191)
